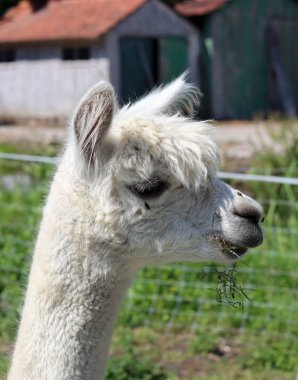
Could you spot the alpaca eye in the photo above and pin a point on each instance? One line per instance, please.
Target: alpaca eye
(151, 188)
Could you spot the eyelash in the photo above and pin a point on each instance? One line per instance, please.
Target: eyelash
(152, 188)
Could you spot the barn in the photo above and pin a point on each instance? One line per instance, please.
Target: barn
(51, 51)
(249, 59)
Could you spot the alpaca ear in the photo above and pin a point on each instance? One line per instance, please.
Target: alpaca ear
(178, 97)
(93, 118)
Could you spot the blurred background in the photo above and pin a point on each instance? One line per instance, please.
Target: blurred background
(243, 56)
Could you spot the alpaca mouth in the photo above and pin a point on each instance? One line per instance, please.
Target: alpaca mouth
(228, 248)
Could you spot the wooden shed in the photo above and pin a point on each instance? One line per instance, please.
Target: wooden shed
(249, 56)
(51, 51)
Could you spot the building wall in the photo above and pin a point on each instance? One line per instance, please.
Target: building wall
(236, 52)
(39, 83)
(153, 20)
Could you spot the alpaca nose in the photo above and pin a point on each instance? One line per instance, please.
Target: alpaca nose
(247, 208)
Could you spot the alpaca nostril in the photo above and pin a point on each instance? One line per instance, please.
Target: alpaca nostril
(250, 216)
(247, 208)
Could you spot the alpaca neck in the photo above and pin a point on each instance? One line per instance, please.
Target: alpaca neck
(71, 305)
(67, 340)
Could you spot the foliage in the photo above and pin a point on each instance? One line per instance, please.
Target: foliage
(3, 366)
(278, 356)
(18, 229)
(280, 158)
(130, 366)
(204, 343)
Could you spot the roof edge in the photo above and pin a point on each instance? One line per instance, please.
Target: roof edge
(192, 8)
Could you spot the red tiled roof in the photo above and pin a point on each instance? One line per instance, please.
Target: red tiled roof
(199, 7)
(19, 11)
(64, 20)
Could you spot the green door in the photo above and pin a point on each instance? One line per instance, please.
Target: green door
(287, 33)
(173, 57)
(138, 66)
(146, 62)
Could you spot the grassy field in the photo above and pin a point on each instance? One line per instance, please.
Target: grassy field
(171, 315)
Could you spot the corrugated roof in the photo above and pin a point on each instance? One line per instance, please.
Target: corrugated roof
(64, 20)
(199, 7)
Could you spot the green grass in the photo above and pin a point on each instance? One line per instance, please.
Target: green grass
(168, 305)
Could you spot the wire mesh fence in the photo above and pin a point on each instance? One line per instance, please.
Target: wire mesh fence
(179, 297)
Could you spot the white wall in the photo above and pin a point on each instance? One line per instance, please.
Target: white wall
(40, 84)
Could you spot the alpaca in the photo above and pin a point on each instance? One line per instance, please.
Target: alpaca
(135, 186)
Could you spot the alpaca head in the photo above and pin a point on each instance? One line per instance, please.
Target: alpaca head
(150, 170)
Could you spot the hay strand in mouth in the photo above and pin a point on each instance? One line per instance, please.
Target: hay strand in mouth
(228, 289)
